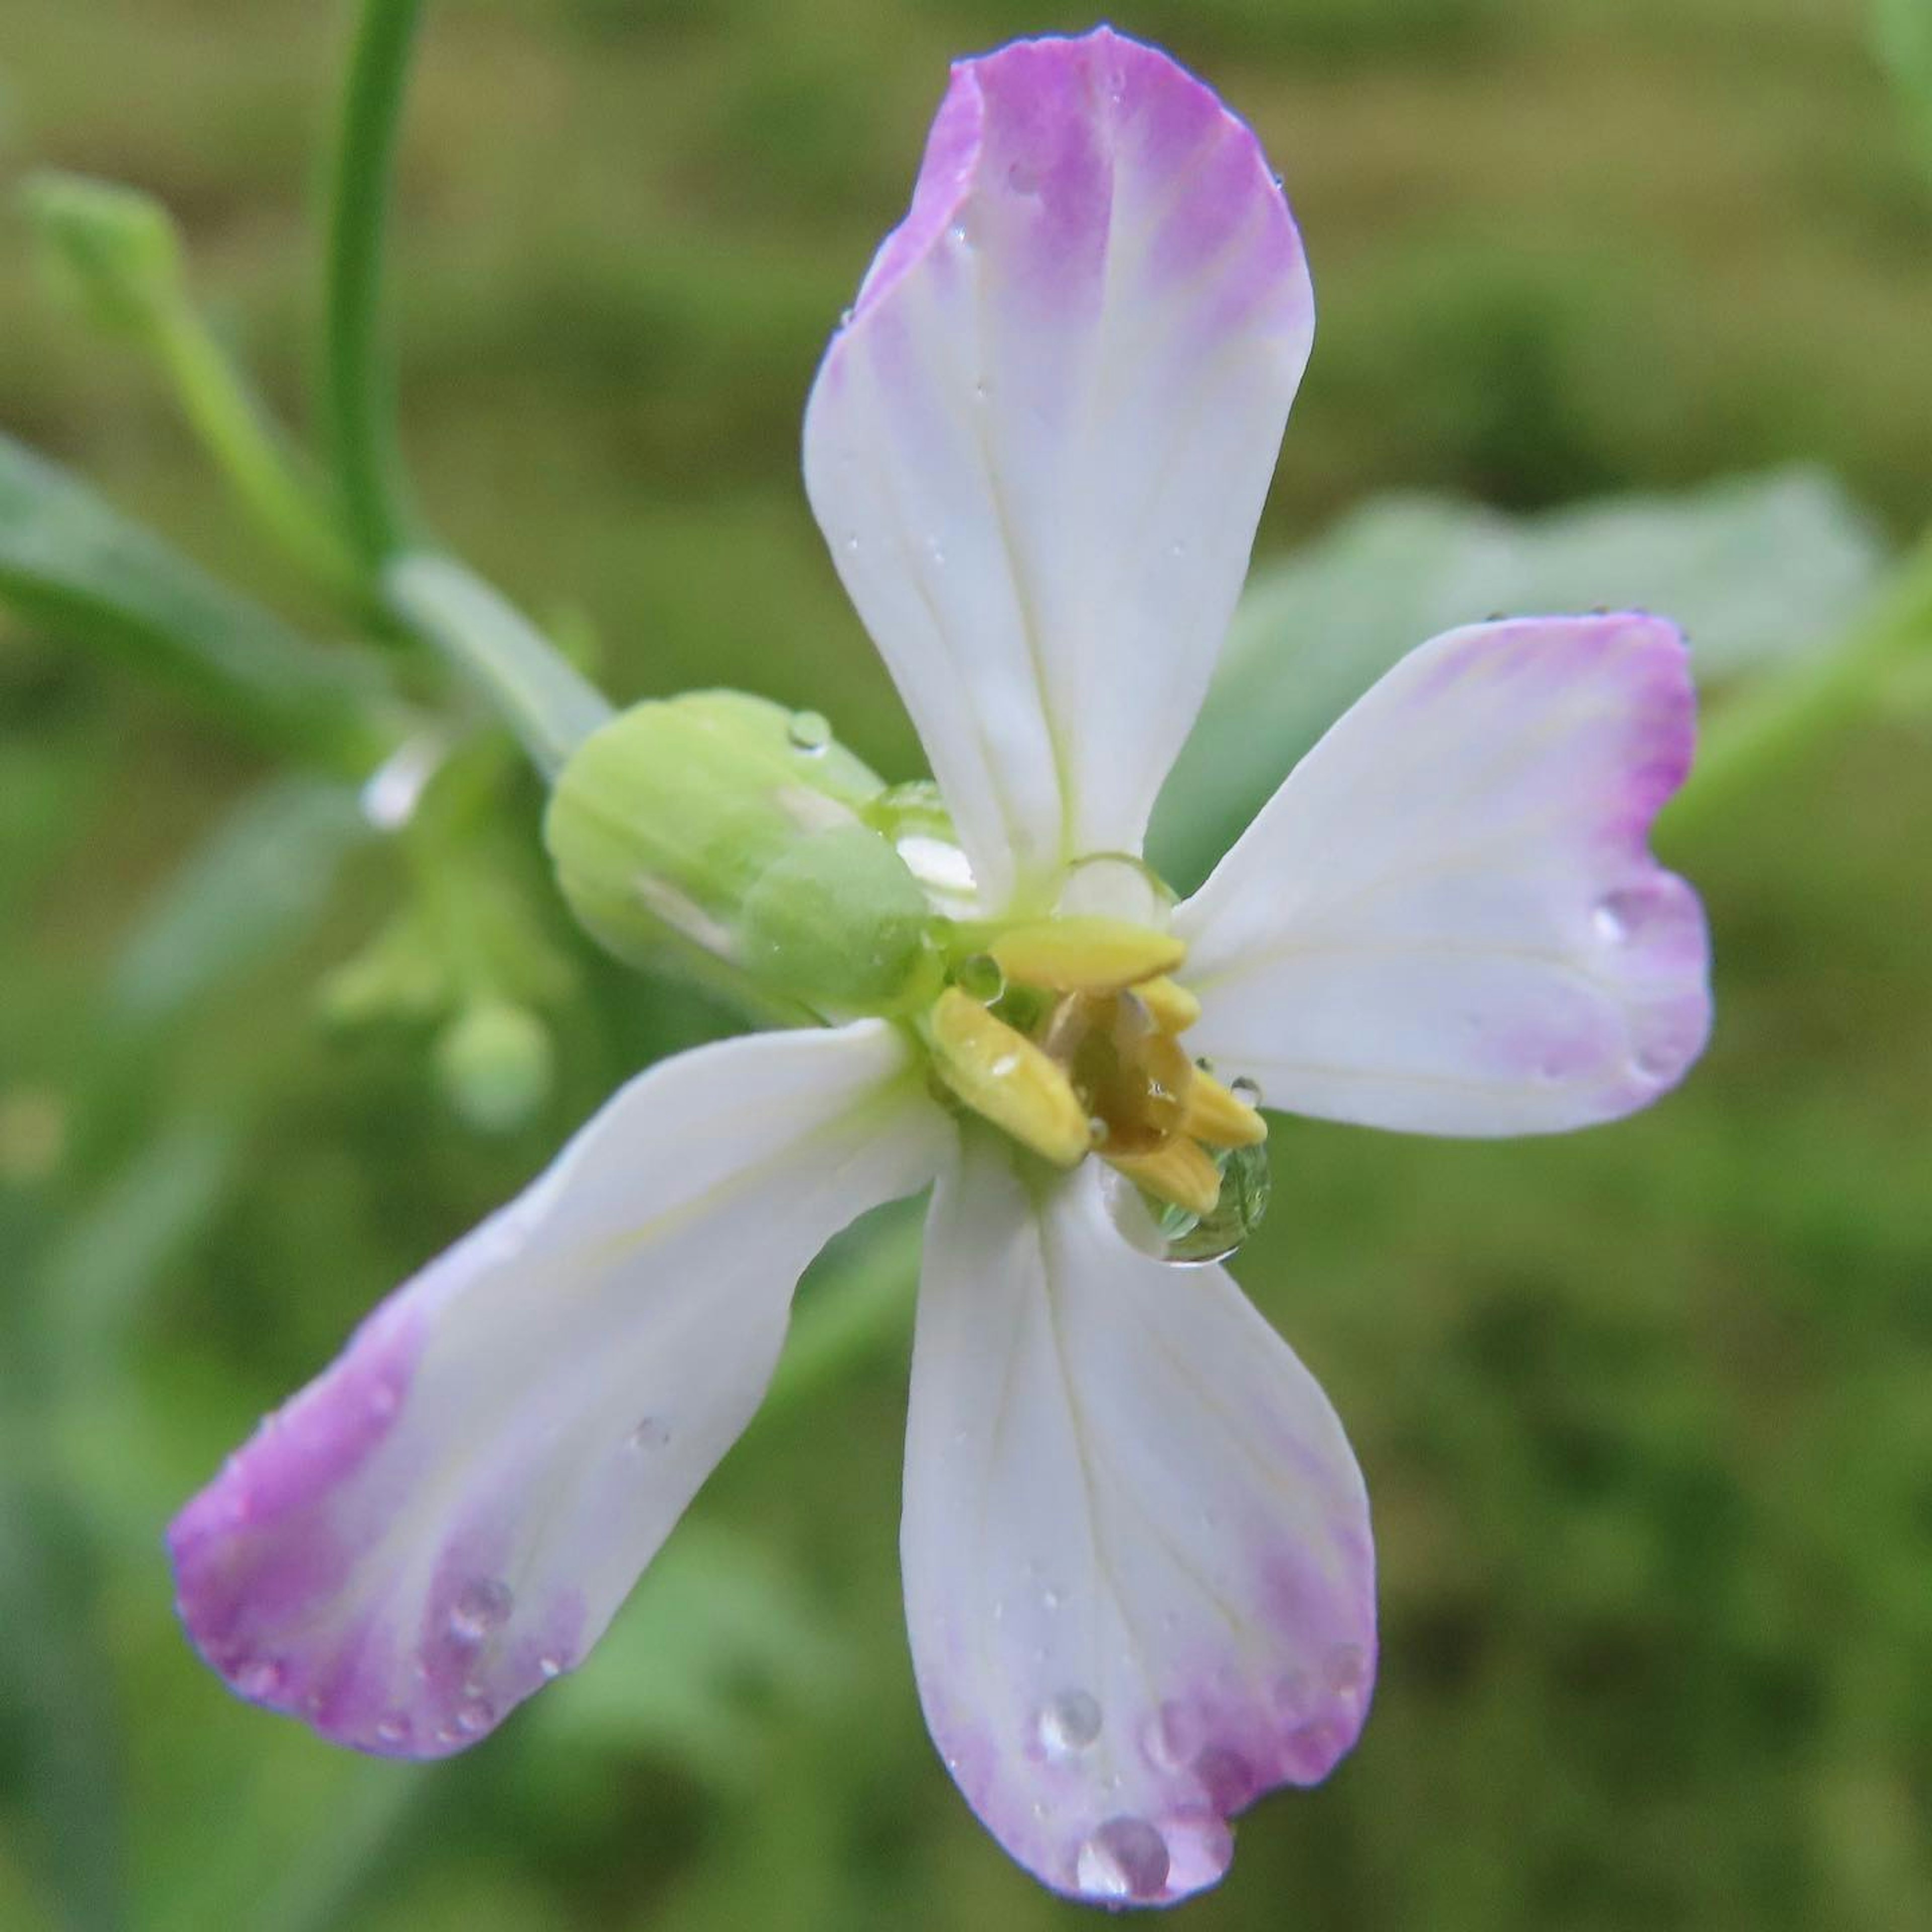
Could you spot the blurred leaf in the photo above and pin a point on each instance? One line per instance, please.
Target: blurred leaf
(112, 1249)
(1759, 572)
(113, 249)
(1902, 34)
(256, 885)
(58, 1752)
(70, 563)
(718, 1635)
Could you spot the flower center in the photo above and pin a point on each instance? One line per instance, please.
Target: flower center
(1064, 1033)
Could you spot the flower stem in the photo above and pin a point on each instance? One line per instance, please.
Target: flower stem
(248, 451)
(1751, 742)
(357, 397)
(538, 692)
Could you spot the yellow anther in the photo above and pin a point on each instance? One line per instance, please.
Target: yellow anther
(1174, 1008)
(1085, 954)
(1180, 1172)
(1002, 1076)
(1221, 1118)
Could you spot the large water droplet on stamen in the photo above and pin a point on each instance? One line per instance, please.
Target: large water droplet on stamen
(480, 1608)
(1069, 1723)
(1126, 1857)
(979, 978)
(809, 731)
(1192, 1241)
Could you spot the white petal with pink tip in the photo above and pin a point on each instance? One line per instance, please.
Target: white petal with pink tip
(1138, 1573)
(449, 1516)
(1448, 919)
(1039, 445)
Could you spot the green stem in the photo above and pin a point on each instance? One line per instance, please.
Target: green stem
(1750, 742)
(357, 392)
(535, 691)
(247, 449)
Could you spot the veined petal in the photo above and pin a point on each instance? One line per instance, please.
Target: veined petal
(1138, 1573)
(1448, 919)
(1039, 445)
(450, 1515)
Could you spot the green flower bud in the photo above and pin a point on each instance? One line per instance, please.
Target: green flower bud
(838, 922)
(724, 834)
(495, 1062)
(112, 249)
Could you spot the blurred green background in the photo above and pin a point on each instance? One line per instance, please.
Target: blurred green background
(1646, 1414)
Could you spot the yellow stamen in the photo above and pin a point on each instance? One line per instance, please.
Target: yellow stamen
(1219, 1117)
(1179, 1172)
(1085, 954)
(1174, 1008)
(1001, 1074)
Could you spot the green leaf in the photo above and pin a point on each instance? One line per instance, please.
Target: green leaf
(718, 1638)
(69, 562)
(1902, 36)
(255, 886)
(1760, 571)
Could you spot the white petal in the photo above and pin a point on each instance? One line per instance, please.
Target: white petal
(1039, 446)
(450, 1515)
(1138, 1567)
(1448, 919)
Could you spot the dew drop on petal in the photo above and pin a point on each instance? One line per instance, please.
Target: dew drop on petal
(1200, 1847)
(1172, 1736)
(474, 1716)
(1126, 1857)
(1023, 179)
(1116, 885)
(1346, 1668)
(394, 1729)
(809, 731)
(652, 1432)
(481, 1607)
(1069, 1723)
(1247, 1091)
(262, 1677)
(549, 1666)
(1227, 1777)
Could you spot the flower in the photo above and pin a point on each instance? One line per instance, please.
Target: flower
(1138, 1565)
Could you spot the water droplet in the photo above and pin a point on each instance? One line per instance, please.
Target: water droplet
(852, 541)
(1192, 1241)
(1023, 179)
(809, 731)
(1247, 1091)
(394, 1729)
(1178, 548)
(480, 1608)
(1200, 1847)
(1292, 1694)
(474, 1716)
(549, 1665)
(262, 1677)
(1346, 1668)
(1050, 1599)
(1116, 885)
(1658, 1061)
(845, 318)
(1227, 1778)
(1097, 1130)
(936, 551)
(979, 978)
(1069, 1723)
(1173, 1735)
(653, 1432)
(959, 236)
(1126, 1857)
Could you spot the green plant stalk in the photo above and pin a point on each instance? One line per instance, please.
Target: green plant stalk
(1752, 742)
(536, 692)
(248, 451)
(357, 394)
